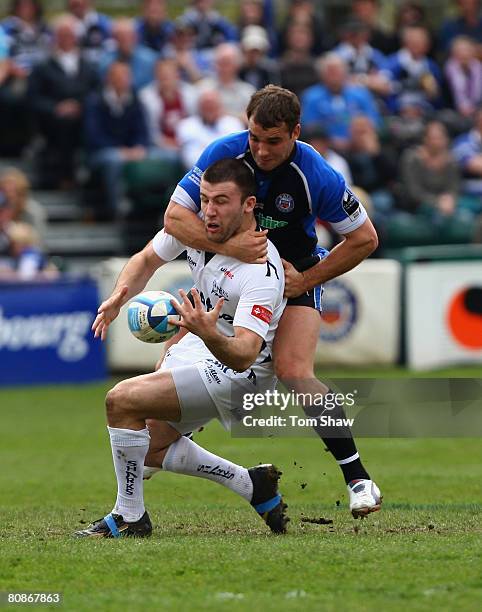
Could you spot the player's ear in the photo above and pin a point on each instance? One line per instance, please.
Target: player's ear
(296, 132)
(249, 204)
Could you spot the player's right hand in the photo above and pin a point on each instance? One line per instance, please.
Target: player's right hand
(250, 246)
(108, 311)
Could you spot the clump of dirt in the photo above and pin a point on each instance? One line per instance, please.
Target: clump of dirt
(316, 521)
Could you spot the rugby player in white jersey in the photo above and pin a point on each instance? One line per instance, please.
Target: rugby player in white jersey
(231, 318)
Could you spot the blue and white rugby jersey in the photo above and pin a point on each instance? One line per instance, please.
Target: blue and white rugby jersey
(290, 198)
(253, 293)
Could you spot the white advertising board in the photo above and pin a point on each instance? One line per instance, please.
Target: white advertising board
(444, 314)
(361, 316)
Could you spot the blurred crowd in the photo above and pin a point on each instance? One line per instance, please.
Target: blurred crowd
(398, 111)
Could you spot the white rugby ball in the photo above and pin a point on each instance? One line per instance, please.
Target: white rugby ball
(147, 316)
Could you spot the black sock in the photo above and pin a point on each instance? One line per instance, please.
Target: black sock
(342, 446)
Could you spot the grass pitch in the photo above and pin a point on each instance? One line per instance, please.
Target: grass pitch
(209, 550)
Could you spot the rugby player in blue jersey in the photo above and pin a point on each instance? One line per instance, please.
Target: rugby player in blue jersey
(295, 187)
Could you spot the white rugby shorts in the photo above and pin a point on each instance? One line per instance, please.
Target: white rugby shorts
(207, 389)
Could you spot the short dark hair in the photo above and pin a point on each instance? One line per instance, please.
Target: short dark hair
(272, 106)
(37, 5)
(232, 171)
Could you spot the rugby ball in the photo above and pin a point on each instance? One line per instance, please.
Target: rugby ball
(147, 316)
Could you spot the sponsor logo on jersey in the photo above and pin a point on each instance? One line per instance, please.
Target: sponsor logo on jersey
(285, 203)
(227, 273)
(191, 261)
(211, 374)
(340, 311)
(269, 222)
(219, 291)
(351, 204)
(195, 176)
(262, 313)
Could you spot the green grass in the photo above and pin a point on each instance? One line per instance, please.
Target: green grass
(209, 550)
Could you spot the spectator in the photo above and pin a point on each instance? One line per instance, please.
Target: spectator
(430, 182)
(209, 123)
(235, 94)
(463, 73)
(28, 34)
(297, 67)
(333, 102)
(367, 11)
(430, 176)
(166, 101)
(141, 60)
(116, 134)
(15, 188)
(365, 63)
(154, 30)
(93, 28)
(257, 68)
(318, 138)
(304, 13)
(6, 213)
(4, 63)
(413, 70)
(467, 23)
(410, 13)
(210, 27)
(26, 40)
(373, 167)
(259, 13)
(193, 64)
(467, 150)
(27, 259)
(406, 129)
(57, 90)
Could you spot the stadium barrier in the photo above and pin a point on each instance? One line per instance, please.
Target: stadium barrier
(45, 334)
(361, 318)
(443, 313)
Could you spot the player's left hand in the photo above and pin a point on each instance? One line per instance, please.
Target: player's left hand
(194, 318)
(294, 281)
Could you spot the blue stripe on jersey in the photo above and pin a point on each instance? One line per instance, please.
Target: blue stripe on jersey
(317, 293)
(309, 225)
(325, 184)
(231, 146)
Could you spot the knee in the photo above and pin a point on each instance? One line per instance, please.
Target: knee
(286, 369)
(118, 400)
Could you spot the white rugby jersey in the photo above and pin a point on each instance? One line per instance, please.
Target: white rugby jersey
(253, 293)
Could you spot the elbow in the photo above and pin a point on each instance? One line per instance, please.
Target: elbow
(243, 362)
(372, 243)
(168, 222)
(172, 217)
